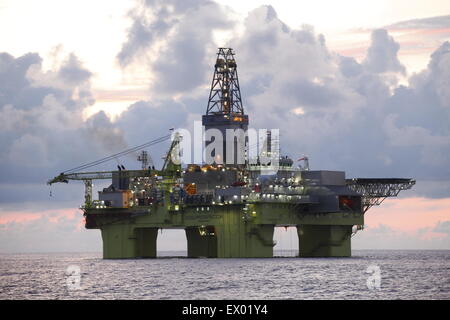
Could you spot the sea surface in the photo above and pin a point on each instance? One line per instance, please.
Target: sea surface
(366, 275)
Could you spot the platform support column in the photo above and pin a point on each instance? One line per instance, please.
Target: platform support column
(324, 240)
(201, 242)
(122, 241)
(145, 242)
(245, 241)
(118, 241)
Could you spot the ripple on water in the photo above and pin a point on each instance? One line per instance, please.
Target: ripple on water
(404, 275)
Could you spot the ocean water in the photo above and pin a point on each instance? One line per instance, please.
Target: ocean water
(366, 275)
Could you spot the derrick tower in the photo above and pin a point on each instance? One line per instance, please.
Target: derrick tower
(225, 111)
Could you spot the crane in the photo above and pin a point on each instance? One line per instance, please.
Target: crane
(169, 170)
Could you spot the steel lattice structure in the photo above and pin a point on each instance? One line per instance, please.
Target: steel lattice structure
(225, 94)
(374, 191)
(99, 175)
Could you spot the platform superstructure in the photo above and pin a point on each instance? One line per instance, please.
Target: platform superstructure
(230, 206)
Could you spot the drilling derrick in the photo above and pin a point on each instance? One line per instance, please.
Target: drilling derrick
(225, 95)
(225, 112)
(230, 206)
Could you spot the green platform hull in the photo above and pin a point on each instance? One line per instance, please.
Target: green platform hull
(222, 231)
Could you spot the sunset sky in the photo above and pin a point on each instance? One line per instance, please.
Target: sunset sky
(359, 86)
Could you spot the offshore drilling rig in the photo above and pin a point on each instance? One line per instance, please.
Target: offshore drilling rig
(227, 209)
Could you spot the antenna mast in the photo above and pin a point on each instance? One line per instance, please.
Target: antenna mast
(143, 157)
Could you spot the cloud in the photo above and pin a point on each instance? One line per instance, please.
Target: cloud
(418, 38)
(409, 214)
(382, 54)
(436, 78)
(406, 223)
(29, 144)
(62, 230)
(174, 40)
(148, 120)
(425, 23)
(382, 237)
(41, 118)
(72, 71)
(43, 130)
(52, 231)
(16, 89)
(418, 116)
(106, 134)
(443, 227)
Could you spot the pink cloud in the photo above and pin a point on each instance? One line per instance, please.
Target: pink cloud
(53, 216)
(46, 231)
(430, 235)
(418, 32)
(413, 42)
(409, 214)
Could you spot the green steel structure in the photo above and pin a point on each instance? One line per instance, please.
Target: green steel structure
(228, 211)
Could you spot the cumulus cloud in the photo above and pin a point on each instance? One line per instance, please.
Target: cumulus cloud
(436, 77)
(43, 131)
(382, 53)
(149, 120)
(418, 116)
(174, 40)
(16, 89)
(104, 133)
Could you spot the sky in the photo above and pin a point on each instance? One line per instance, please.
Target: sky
(358, 86)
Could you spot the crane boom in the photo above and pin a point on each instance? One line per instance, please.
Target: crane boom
(171, 169)
(96, 175)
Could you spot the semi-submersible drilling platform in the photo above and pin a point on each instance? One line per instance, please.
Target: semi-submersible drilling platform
(227, 211)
